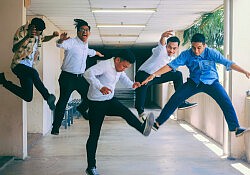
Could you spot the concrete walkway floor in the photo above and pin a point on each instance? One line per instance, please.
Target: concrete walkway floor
(173, 150)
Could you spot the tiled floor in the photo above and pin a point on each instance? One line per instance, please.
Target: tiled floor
(122, 150)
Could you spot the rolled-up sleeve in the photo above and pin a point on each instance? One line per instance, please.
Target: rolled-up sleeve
(219, 58)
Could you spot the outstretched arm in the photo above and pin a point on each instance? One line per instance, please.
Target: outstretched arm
(240, 69)
(99, 54)
(49, 37)
(161, 71)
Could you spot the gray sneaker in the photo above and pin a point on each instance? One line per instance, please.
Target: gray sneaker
(91, 171)
(148, 123)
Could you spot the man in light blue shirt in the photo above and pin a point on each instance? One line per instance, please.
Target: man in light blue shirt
(201, 62)
(162, 55)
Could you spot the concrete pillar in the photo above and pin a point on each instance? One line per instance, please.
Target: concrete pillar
(240, 55)
(13, 115)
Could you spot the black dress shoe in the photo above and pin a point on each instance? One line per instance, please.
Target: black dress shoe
(55, 131)
(51, 102)
(83, 113)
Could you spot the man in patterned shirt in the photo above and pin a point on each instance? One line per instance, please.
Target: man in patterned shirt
(27, 40)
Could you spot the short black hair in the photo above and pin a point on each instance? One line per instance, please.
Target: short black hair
(198, 37)
(79, 23)
(39, 23)
(126, 55)
(173, 39)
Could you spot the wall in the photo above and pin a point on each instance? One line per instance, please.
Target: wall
(13, 115)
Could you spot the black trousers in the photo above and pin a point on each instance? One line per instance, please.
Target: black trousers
(141, 92)
(97, 112)
(68, 83)
(27, 77)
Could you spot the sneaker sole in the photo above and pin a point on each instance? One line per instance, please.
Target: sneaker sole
(188, 107)
(155, 129)
(149, 124)
(238, 135)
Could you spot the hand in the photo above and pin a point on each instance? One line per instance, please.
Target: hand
(64, 36)
(247, 74)
(136, 85)
(150, 78)
(167, 33)
(104, 90)
(31, 31)
(55, 34)
(99, 54)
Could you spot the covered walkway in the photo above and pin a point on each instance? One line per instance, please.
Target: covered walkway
(176, 149)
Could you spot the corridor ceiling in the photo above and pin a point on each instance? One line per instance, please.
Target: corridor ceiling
(170, 14)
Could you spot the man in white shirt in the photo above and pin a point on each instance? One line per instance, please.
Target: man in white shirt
(162, 55)
(73, 67)
(102, 78)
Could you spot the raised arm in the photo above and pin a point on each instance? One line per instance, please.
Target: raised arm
(49, 37)
(164, 36)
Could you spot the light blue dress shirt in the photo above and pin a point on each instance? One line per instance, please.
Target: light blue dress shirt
(202, 68)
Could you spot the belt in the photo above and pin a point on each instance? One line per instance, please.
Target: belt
(73, 75)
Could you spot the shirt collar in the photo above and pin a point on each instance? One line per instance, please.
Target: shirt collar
(80, 41)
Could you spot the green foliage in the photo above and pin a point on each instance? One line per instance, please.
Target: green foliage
(212, 26)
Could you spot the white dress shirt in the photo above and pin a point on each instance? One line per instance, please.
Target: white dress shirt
(104, 74)
(76, 52)
(158, 59)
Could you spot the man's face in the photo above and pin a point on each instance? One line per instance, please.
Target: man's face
(34, 31)
(198, 48)
(121, 66)
(172, 48)
(83, 33)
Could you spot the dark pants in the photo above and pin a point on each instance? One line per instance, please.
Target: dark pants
(97, 112)
(141, 92)
(215, 90)
(27, 77)
(69, 82)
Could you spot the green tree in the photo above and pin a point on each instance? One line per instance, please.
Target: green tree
(212, 26)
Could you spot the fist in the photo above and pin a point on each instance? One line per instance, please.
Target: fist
(55, 33)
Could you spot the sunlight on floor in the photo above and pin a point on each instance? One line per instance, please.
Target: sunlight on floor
(216, 149)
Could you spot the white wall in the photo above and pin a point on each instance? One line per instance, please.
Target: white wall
(13, 115)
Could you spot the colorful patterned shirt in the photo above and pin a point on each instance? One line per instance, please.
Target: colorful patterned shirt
(27, 47)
